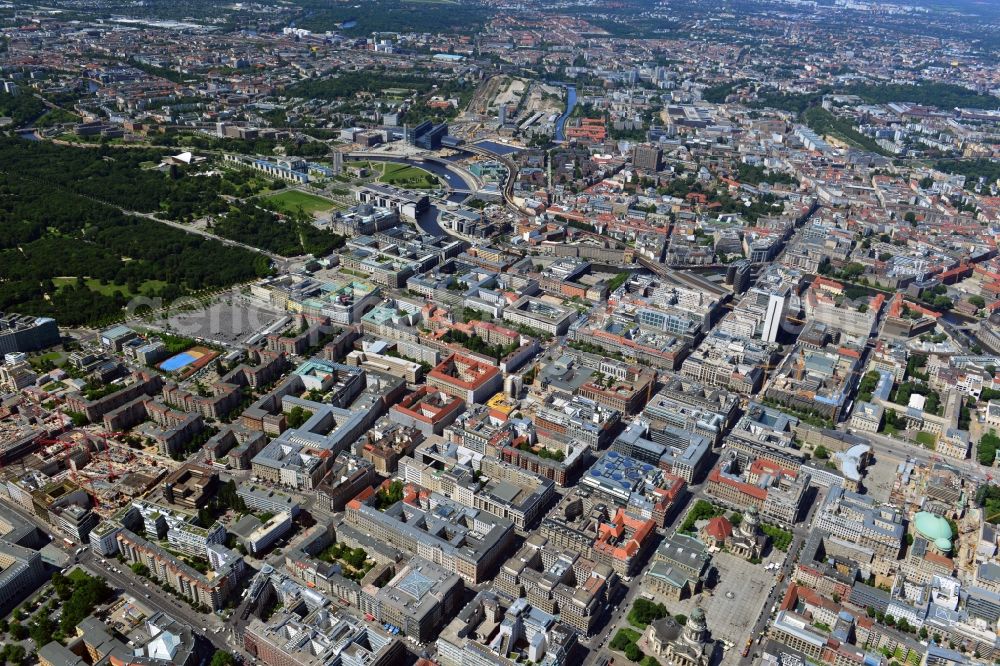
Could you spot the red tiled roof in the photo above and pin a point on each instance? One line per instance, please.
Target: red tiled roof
(719, 528)
(360, 498)
(745, 488)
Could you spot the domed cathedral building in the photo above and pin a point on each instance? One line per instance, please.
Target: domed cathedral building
(746, 540)
(935, 530)
(673, 645)
(932, 549)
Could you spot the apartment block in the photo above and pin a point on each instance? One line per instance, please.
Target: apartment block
(559, 582)
(212, 591)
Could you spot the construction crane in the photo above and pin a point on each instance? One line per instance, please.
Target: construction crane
(66, 445)
(41, 441)
(112, 474)
(89, 483)
(87, 480)
(800, 364)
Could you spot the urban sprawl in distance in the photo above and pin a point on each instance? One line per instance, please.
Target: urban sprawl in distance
(475, 333)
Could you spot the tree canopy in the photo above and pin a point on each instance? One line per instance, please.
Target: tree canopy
(222, 658)
(287, 235)
(81, 595)
(50, 232)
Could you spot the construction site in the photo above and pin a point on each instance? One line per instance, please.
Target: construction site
(95, 472)
(518, 107)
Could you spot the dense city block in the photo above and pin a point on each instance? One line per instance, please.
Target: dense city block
(473, 333)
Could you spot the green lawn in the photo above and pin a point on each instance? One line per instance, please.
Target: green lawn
(77, 575)
(71, 137)
(404, 175)
(644, 611)
(630, 634)
(925, 439)
(291, 200)
(41, 362)
(626, 641)
(397, 92)
(147, 287)
(825, 123)
(399, 174)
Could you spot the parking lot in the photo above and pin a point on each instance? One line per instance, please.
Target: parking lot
(230, 319)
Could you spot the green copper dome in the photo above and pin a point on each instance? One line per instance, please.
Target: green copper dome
(934, 528)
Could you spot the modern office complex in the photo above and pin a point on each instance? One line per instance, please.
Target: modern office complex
(24, 333)
(21, 573)
(427, 135)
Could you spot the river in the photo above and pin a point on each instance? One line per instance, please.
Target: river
(428, 221)
(455, 181)
(570, 103)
